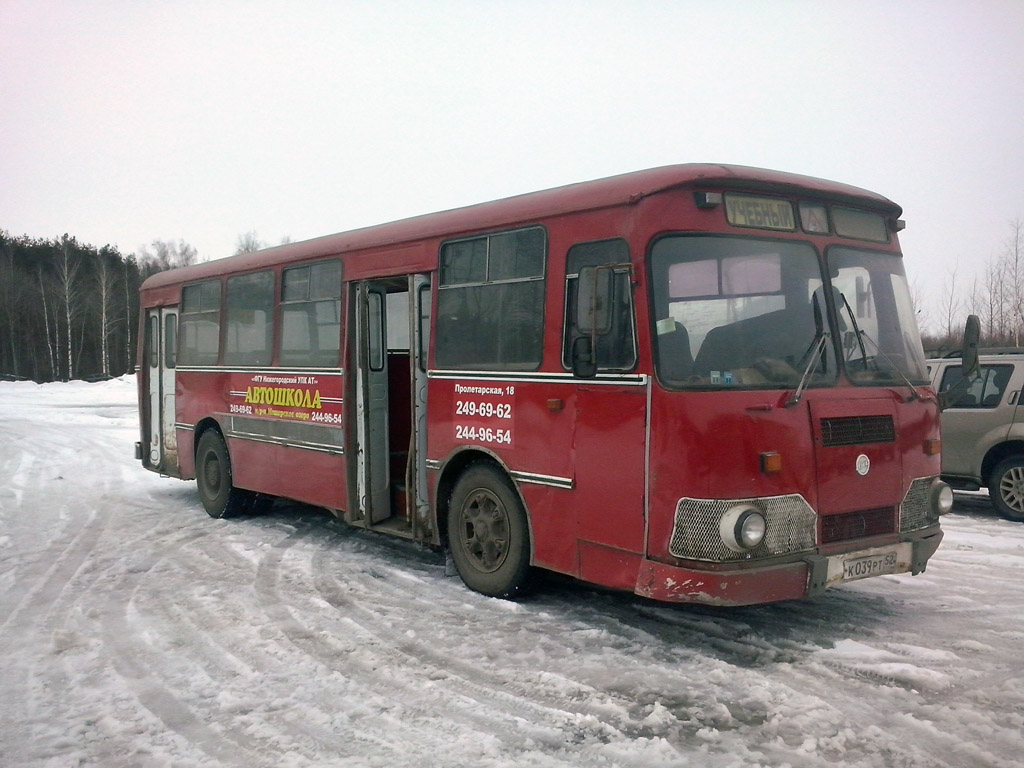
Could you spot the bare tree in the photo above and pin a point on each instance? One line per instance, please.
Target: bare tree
(1013, 258)
(69, 295)
(165, 254)
(106, 287)
(51, 340)
(951, 307)
(248, 242)
(128, 316)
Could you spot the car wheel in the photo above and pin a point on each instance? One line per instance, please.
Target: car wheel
(1006, 488)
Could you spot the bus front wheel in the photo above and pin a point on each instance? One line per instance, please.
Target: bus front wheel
(213, 477)
(488, 533)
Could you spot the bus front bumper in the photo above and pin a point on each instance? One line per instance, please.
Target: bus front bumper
(807, 577)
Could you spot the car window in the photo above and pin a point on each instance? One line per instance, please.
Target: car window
(986, 390)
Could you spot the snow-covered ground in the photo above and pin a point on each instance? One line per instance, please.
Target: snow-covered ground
(136, 631)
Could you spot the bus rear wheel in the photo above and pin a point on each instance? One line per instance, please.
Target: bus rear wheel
(488, 533)
(213, 478)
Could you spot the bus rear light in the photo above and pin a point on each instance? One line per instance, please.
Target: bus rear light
(742, 527)
(932, 447)
(771, 462)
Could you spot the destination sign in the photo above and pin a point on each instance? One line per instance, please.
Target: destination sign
(759, 212)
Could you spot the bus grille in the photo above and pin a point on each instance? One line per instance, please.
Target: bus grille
(857, 430)
(857, 525)
(916, 511)
(791, 528)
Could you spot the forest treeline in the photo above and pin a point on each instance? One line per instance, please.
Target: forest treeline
(69, 310)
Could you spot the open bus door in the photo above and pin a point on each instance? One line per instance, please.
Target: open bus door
(160, 349)
(373, 482)
(392, 320)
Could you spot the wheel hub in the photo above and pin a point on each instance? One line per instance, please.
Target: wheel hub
(1011, 488)
(485, 530)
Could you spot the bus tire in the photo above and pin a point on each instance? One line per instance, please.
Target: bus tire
(1006, 488)
(213, 478)
(488, 533)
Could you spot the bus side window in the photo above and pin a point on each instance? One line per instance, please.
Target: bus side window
(170, 340)
(616, 350)
(490, 303)
(311, 315)
(152, 340)
(250, 312)
(200, 323)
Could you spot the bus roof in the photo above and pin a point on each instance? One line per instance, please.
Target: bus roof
(624, 189)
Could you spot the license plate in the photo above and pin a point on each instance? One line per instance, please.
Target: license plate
(895, 558)
(873, 565)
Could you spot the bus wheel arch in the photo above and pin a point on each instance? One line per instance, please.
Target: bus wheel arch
(214, 479)
(485, 526)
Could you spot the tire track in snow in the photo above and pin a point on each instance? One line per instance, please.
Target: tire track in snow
(433, 692)
(141, 669)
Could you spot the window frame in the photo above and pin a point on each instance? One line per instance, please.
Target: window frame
(986, 370)
(187, 317)
(620, 269)
(242, 357)
(284, 304)
(445, 285)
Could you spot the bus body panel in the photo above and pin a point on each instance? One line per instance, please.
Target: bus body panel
(866, 474)
(526, 422)
(609, 449)
(283, 429)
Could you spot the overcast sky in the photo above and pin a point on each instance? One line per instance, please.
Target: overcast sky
(126, 121)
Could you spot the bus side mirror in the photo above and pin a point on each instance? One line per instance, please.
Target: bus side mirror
(968, 364)
(969, 356)
(594, 301)
(584, 361)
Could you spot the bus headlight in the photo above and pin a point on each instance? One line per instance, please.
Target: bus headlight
(742, 527)
(941, 497)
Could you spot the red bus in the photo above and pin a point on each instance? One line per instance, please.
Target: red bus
(698, 383)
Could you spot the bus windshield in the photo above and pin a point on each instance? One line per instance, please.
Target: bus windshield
(878, 331)
(739, 313)
(750, 313)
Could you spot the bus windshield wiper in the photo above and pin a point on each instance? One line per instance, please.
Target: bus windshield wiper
(856, 330)
(814, 349)
(817, 347)
(861, 336)
(915, 395)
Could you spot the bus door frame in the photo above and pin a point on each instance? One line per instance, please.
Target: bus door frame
(373, 481)
(373, 404)
(420, 305)
(160, 352)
